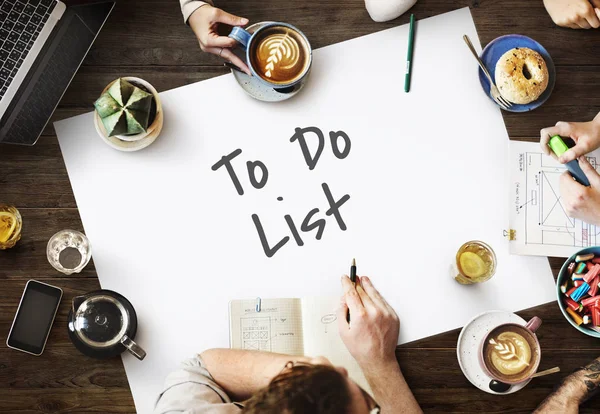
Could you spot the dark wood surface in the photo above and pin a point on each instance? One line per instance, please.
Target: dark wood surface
(147, 38)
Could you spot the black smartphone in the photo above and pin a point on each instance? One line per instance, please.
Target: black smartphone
(35, 316)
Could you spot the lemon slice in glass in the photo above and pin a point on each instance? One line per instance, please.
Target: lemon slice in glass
(472, 265)
(8, 222)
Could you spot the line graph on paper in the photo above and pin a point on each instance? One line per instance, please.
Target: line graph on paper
(546, 217)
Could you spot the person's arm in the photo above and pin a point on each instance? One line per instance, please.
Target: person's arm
(575, 14)
(241, 373)
(574, 390)
(190, 6)
(371, 337)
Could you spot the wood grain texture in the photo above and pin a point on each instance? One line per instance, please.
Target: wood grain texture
(147, 38)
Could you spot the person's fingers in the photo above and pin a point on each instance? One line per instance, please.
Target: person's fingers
(230, 56)
(562, 129)
(545, 135)
(589, 171)
(373, 293)
(222, 16)
(597, 10)
(565, 129)
(583, 23)
(566, 180)
(352, 299)
(567, 186)
(220, 41)
(342, 313)
(347, 284)
(592, 19)
(589, 14)
(365, 299)
(580, 149)
(368, 284)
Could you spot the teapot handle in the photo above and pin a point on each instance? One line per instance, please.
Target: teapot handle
(132, 347)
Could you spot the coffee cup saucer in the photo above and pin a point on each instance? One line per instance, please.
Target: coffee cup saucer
(256, 88)
(467, 348)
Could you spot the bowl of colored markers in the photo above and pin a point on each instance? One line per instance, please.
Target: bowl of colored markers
(578, 291)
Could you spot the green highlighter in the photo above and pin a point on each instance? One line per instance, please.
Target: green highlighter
(558, 146)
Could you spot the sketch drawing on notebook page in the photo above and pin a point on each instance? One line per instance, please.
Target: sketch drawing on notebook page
(538, 216)
(256, 333)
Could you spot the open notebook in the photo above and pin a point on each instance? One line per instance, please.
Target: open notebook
(306, 326)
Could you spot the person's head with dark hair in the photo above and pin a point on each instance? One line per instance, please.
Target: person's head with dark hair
(317, 388)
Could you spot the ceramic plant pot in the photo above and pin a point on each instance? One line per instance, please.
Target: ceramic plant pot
(138, 141)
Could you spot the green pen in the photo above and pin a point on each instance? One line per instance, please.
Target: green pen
(409, 55)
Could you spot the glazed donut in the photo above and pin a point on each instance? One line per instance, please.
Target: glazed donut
(521, 75)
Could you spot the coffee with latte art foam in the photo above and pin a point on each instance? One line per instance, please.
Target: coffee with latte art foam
(279, 55)
(510, 353)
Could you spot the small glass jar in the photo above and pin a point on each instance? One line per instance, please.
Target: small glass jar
(69, 251)
(10, 226)
(475, 263)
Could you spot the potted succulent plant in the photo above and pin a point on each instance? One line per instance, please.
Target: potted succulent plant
(128, 114)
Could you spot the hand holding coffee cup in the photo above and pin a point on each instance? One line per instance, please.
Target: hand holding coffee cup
(205, 22)
(511, 353)
(278, 54)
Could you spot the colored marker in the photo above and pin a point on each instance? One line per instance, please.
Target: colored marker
(409, 55)
(558, 146)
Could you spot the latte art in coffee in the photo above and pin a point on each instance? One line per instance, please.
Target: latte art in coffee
(280, 55)
(509, 353)
(283, 54)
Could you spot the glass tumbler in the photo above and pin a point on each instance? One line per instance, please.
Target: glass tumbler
(69, 251)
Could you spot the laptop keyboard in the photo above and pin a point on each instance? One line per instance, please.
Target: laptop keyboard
(20, 24)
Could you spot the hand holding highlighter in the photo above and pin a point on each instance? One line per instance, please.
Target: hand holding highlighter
(558, 146)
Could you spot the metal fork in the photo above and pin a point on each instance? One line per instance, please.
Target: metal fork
(500, 100)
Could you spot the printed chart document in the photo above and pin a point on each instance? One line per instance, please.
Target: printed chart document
(306, 326)
(537, 213)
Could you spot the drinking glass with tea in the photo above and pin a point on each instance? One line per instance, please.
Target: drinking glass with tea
(69, 251)
(475, 263)
(10, 226)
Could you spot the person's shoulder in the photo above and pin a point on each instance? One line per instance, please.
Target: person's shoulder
(191, 389)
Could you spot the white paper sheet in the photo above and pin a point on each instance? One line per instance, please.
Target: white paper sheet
(426, 172)
(537, 213)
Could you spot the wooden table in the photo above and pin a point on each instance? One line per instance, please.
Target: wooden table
(147, 38)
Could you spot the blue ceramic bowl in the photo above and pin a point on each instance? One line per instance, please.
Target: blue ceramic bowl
(497, 47)
(564, 275)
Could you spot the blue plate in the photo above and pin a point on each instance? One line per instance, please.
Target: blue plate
(497, 47)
